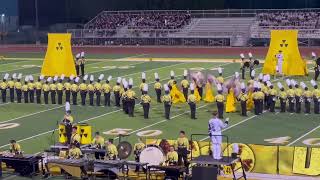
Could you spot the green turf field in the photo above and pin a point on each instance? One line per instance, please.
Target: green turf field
(36, 123)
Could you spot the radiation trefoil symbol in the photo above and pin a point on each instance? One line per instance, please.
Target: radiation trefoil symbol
(284, 44)
(59, 46)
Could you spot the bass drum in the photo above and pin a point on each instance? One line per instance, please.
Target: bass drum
(152, 154)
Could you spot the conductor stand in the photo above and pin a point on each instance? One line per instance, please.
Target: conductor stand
(207, 167)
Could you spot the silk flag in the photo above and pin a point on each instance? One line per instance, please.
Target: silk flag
(59, 58)
(287, 42)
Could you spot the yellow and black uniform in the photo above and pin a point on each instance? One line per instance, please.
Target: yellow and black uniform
(74, 91)
(46, 89)
(25, 90)
(142, 85)
(11, 90)
(131, 95)
(138, 147)
(116, 90)
(3, 87)
(245, 63)
(316, 70)
(316, 98)
(145, 102)
(124, 99)
(307, 94)
(192, 104)
(261, 98)
(98, 89)
(91, 90)
(255, 97)
(220, 104)
(31, 87)
(75, 139)
(38, 87)
(69, 118)
(75, 153)
(98, 142)
(53, 92)
(220, 79)
(265, 90)
(60, 88)
(167, 101)
(157, 87)
(272, 93)
(170, 83)
(83, 93)
(185, 86)
(18, 87)
(283, 100)
(106, 89)
(298, 98)
(182, 146)
(243, 98)
(112, 152)
(15, 148)
(67, 90)
(77, 63)
(291, 98)
(172, 158)
(82, 62)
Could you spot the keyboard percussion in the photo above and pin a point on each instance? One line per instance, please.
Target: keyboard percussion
(74, 167)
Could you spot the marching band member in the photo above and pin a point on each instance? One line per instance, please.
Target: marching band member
(220, 101)
(185, 84)
(18, 86)
(138, 147)
(74, 152)
(38, 86)
(171, 81)
(60, 89)
(298, 98)
(290, 95)
(31, 87)
(74, 91)
(261, 98)
(67, 87)
(131, 98)
(243, 98)
(280, 60)
(182, 146)
(25, 89)
(244, 64)
(53, 89)
(15, 148)
(143, 81)
(75, 137)
(265, 90)
(145, 101)
(316, 96)
(255, 97)
(82, 62)
(250, 103)
(157, 87)
(98, 143)
(215, 129)
(106, 89)
(46, 89)
(83, 90)
(90, 88)
(116, 91)
(98, 88)
(220, 78)
(192, 102)
(283, 97)
(307, 95)
(251, 61)
(77, 63)
(230, 102)
(11, 86)
(67, 121)
(272, 96)
(3, 87)
(166, 99)
(112, 151)
(172, 157)
(124, 97)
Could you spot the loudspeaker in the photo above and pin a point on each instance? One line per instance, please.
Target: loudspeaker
(204, 173)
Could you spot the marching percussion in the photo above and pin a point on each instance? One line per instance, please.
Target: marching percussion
(124, 149)
(152, 154)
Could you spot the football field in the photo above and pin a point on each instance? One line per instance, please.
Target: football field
(34, 126)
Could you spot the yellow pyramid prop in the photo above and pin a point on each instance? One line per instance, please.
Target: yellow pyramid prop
(59, 58)
(287, 42)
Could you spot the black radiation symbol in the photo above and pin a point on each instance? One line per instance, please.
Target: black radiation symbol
(59, 46)
(284, 44)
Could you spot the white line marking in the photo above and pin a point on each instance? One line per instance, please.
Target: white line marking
(304, 135)
(27, 115)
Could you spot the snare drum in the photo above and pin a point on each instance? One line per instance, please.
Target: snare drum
(152, 154)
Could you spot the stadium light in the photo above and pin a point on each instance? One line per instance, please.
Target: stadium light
(2, 15)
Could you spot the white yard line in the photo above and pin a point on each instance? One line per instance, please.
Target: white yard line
(27, 115)
(304, 135)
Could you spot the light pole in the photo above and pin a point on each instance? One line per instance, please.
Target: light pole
(36, 19)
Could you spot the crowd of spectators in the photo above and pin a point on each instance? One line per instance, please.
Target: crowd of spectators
(289, 19)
